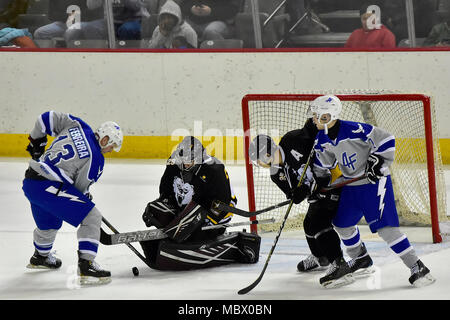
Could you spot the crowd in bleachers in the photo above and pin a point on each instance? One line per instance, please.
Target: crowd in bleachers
(223, 23)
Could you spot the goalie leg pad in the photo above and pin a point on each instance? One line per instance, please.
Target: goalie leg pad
(229, 248)
(187, 222)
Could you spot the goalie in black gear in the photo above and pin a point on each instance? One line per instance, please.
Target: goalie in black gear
(191, 182)
(286, 162)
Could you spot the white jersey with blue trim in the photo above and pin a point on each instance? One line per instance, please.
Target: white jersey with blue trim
(354, 143)
(74, 156)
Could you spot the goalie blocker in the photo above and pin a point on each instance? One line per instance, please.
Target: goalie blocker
(187, 246)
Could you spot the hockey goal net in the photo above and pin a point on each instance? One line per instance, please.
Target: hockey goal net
(417, 172)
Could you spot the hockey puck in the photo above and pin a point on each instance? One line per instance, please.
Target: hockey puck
(135, 271)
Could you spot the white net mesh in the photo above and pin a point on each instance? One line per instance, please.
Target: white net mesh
(403, 118)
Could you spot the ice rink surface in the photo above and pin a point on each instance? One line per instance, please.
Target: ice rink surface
(122, 194)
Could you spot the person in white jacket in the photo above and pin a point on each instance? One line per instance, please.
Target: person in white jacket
(172, 31)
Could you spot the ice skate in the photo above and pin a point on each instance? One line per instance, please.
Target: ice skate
(91, 273)
(312, 263)
(338, 274)
(362, 265)
(38, 261)
(420, 275)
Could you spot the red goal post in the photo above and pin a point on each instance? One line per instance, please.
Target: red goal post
(417, 172)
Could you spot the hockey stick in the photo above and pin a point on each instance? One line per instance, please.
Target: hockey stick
(128, 245)
(226, 208)
(258, 280)
(155, 234)
(343, 183)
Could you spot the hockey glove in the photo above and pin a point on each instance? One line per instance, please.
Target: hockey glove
(373, 168)
(320, 182)
(36, 147)
(299, 194)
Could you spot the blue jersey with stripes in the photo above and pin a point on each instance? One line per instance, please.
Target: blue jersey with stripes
(354, 143)
(74, 156)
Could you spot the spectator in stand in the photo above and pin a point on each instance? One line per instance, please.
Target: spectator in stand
(62, 27)
(394, 13)
(15, 37)
(439, 35)
(372, 35)
(172, 31)
(10, 14)
(211, 19)
(127, 19)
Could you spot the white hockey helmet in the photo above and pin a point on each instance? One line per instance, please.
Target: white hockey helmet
(113, 131)
(328, 104)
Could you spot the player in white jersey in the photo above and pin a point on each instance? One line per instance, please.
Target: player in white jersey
(57, 185)
(362, 149)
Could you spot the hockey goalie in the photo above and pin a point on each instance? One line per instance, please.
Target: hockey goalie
(192, 181)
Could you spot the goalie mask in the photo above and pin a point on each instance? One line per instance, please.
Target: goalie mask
(113, 131)
(323, 105)
(262, 150)
(189, 154)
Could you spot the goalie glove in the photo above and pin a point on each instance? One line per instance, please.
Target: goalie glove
(374, 168)
(36, 147)
(159, 213)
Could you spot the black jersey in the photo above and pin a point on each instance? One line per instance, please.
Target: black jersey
(203, 184)
(295, 147)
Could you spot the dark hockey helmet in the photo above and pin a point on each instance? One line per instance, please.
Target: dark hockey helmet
(261, 150)
(189, 153)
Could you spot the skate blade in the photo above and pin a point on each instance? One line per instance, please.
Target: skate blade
(337, 283)
(35, 267)
(93, 281)
(361, 273)
(424, 281)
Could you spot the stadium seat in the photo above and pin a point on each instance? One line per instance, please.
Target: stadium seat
(271, 33)
(224, 44)
(38, 7)
(32, 21)
(405, 43)
(44, 43)
(88, 44)
(128, 44)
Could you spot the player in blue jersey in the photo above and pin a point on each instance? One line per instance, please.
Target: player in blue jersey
(362, 149)
(57, 185)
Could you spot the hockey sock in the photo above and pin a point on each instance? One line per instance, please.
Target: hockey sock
(351, 239)
(89, 235)
(43, 240)
(399, 243)
(330, 243)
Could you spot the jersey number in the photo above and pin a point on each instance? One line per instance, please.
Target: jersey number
(62, 155)
(348, 161)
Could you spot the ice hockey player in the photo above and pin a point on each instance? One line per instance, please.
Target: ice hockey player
(286, 162)
(362, 149)
(57, 185)
(191, 183)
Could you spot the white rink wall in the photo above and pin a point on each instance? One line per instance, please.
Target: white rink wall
(156, 93)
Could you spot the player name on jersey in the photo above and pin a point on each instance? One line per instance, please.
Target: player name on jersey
(79, 142)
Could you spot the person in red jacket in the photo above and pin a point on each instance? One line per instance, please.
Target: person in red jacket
(373, 34)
